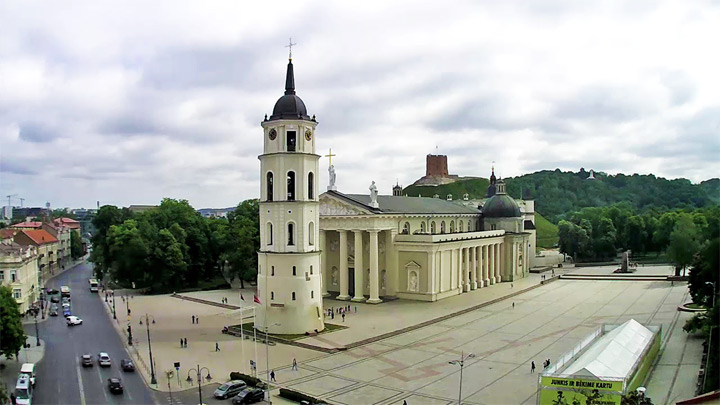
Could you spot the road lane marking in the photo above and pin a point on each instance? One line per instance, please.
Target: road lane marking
(102, 384)
(82, 390)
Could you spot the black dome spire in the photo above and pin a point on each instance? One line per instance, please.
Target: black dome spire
(289, 106)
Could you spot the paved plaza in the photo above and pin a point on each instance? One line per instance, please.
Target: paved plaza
(545, 322)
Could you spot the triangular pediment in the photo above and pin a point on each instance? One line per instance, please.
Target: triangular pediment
(331, 205)
(412, 264)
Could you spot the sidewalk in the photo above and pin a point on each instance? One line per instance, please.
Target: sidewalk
(33, 354)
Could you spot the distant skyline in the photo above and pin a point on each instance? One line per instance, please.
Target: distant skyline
(128, 103)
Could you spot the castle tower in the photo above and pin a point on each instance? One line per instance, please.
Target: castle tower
(289, 275)
(397, 190)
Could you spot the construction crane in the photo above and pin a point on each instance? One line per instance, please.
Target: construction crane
(9, 197)
(22, 201)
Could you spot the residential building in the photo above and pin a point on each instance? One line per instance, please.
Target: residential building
(19, 272)
(47, 246)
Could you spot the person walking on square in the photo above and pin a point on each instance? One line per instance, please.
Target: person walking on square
(197, 319)
(532, 367)
(356, 309)
(294, 365)
(193, 319)
(186, 343)
(343, 315)
(513, 305)
(181, 343)
(217, 347)
(511, 285)
(272, 375)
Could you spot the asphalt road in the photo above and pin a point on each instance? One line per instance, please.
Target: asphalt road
(60, 377)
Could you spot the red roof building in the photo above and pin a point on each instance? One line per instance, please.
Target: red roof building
(28, 225)
(67, 222)
(37, 237)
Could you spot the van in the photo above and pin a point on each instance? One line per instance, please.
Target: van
(23, 390)
(229, 389)
(29, 370)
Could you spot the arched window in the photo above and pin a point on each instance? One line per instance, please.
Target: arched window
(294, 271)
(269, 186)
(291, 234)
(406, 228)
(422, 227)
(291, 186)
(272, 295)
(311, 233)
(269, 233)
(311, 186)
(293, 296)
(442, 227)
(452, 226)
(433, 228)
(312, 294)
(272, 271)
(311, 270)
(461, 228)
(291, 141)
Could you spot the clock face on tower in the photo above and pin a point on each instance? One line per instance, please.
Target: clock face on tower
(272, 134)
(308, 135)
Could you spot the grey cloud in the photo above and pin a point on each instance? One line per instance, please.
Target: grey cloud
(680, 86)
(604, 103)
(8, 166)
(37, 132)
(697, 139)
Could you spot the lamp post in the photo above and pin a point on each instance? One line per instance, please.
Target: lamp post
(199, 379)
(37, 332)
(113, 302)
(713, 297)
(42, 304)
(707, 361)
(152, 368)
(267, 358)
(461, 362)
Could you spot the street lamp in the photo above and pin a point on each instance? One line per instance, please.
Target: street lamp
(152, 368)
(37, 332)
(461, 362)
(713, 286)
(199, 379)
(42, 304)
(267, 359)
(113, 302)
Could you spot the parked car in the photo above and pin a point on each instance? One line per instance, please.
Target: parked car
(55, 299)
(73, 320)
(66, 312)
(127, 365)
(86, 360)
(54, 310)
(28, 369)
(230, 389)
(249, 396)
(52, 291)
(103, 359)
(115, 385)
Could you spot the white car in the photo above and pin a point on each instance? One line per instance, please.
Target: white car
(103, 359)
(73, 320)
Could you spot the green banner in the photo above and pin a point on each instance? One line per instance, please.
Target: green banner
(582, 384)
(579, 397)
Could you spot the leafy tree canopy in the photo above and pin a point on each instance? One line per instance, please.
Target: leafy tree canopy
(11, 329)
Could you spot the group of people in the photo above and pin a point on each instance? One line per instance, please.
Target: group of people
(195, 319)
(330, 312)
(546, 364)
(224, 300)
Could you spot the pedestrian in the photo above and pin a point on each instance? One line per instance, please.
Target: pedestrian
(217, 347)
(193, 319)
(343, 316)
(197, 319)
(405, 402)
(532, 367)
(186, 343)
(356, 309)
(511, 285)
(181, 343)
(13, 400)
(548, 362)
(513, 304)
(332, 315)
(272, 375)
(294, 365)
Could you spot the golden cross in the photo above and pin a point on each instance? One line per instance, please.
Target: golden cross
(329, 156)
(290, 46)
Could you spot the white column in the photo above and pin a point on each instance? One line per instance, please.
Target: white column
(392, 267)
(466, 269)
(359, 283)
(481, 268)
(485, 272)
(432, 268)
(473, 268)
(323, 264)
(343, 266)
(374, 277)
(491, 263)
(498, 277)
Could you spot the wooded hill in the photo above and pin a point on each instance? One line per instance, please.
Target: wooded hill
(557, 193)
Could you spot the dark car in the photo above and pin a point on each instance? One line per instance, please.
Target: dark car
(249, 396)
(55, 299)
(115, 385)
(229, 389)
(86, 360)
(54, 310)
(52, 291)
(127, 365)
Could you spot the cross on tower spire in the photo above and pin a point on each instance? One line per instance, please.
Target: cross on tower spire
(330, 156)
(290, 45)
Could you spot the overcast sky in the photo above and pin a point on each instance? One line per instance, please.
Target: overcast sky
(136, 101)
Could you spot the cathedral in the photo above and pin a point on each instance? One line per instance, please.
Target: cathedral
(369, 247)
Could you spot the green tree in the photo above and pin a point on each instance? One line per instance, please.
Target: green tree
(76, 245)
(635, 234)
(605, 242)
(683, 243)
(107, 216)
(169, 266)
(11, 330)
(666, 224)
(240, 241)
(705, 269)
(128, 252)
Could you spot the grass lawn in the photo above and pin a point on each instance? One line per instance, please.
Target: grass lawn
(249, 327)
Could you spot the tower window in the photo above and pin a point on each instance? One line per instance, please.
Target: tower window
(311, 186)
(461, 227)
(291, 186)
(294, 271)
(311, 233)
(272, 271)
(311, 269)
(291, 141)
(452, 226)
(293, 296)
(270, 233)
(433, 228)
(406, 228)
(272, 295)
(442, 227)
(291, 234)
(269, 186)
(312, 294)
(422, 227)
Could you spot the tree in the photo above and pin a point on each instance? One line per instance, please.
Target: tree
(240, 240)
(635, 234)
(683, 243)
(11, 329)
(605, 243)
(635, 398)
(76, 244)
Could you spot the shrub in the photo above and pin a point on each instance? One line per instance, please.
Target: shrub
(249, 380)
(299, 396)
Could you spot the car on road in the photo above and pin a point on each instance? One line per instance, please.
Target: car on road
(86, 360)
(52, 291)
(28, 369)
(54, 310)
(73, 320)
(23, 390)
(55, 299)
(127, 365)
(66, 312)
(104, 359)
(115, 385)
(249, 396)
(230, 389)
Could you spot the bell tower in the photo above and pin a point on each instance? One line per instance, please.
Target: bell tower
(289, 276)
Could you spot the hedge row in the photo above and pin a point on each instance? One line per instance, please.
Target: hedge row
(299, 397)
(249, 380)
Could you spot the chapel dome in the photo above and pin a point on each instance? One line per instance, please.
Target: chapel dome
(289, 106)
(501, 206)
